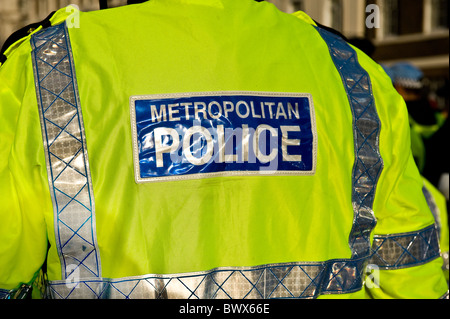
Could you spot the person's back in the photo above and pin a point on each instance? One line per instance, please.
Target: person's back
(212, 149)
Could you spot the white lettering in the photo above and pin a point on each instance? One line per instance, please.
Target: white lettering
(256, 116)
(270, 104)
(186, 109)
(257, 143)
(291, 111)
(285, 142)
(200, 110)
(280, 111)
(161, 147)
(227, 107)
(190, 309)
(205, 158)
(162, 113)
(229, 146)
(172, 112)
(220, 144)
(211, 114)
(226, 145)
(262, 110)
(242, 116)
(245, 142)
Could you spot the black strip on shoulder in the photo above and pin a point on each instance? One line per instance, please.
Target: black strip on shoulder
(331, 30)
(135, 1)
(19, 34)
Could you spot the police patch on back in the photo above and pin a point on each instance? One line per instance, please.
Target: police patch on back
(201, 135)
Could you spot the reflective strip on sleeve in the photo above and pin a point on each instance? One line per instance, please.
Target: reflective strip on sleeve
(437, 217)
(66, 154)
(434, 208)
(405, 250)
(366, 131)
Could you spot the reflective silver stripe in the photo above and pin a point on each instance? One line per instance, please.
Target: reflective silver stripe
(445, 258)
(433, 207)
(366, 130)
(66, 154)
(445, 296)
(437, 217)
(287, 280)
(405, 250)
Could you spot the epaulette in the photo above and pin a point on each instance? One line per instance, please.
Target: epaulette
(25, 31)
(334, 31)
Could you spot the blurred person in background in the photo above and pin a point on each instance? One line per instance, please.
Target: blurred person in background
(429, 137)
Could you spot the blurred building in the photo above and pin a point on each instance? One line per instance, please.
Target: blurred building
(416, 31)
(346, 16)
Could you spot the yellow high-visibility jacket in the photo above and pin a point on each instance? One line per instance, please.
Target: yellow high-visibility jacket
(207, 149)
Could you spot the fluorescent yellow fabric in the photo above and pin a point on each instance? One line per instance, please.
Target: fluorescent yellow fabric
(175, 46)
(400, 205)
(231, 221)
(23, 188)
(407, 283)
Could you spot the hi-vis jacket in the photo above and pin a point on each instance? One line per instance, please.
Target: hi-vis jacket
(207, 149)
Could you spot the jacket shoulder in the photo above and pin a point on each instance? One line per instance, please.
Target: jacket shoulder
(22, 33)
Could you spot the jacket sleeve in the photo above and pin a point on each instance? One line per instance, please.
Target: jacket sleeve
(405, 259)
(406, 254)
(438, 205)
(24, 195)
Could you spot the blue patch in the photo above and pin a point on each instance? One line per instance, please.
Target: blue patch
(199, 135)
